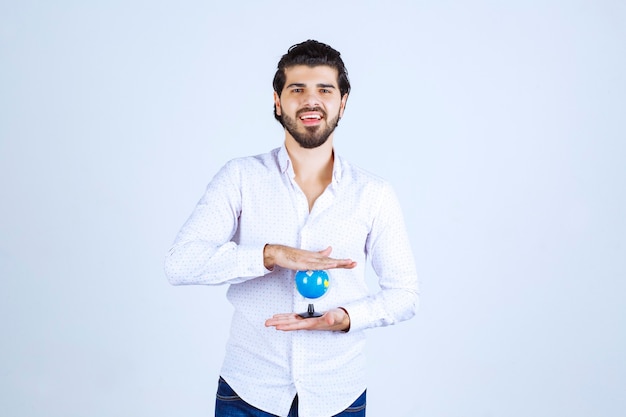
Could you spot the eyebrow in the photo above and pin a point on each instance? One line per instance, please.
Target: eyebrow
(302, 85)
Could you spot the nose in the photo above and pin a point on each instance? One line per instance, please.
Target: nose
(312, 99)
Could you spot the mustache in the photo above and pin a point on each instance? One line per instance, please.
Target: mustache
(310, 109)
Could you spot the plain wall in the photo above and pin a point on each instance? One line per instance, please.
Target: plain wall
(499, 123)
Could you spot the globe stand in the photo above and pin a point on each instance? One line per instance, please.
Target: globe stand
(310, 313)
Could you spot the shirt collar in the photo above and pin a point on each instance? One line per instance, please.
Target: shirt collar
(283, 159)
(286, 166)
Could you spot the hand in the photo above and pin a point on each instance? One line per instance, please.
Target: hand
(336, 319)
(300, 259)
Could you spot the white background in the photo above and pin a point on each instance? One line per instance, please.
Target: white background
(500, 124)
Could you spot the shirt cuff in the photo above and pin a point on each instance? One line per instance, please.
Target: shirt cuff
(250, 261)
(359, 316)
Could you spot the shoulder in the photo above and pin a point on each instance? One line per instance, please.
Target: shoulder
(362, 178)
(251, 165)
(373, 193)
(253, 161)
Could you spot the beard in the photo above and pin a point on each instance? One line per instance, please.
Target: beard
(313, 136)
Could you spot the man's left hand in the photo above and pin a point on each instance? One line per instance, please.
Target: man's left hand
(334, 320)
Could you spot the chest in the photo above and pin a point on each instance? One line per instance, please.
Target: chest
(305, 217)
(312, 191)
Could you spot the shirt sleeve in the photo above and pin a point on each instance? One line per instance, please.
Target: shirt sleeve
(204, 251)
(392, 259)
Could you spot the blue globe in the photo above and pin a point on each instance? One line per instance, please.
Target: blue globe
(312, 284)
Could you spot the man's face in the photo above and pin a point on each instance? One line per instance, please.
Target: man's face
(310, 104)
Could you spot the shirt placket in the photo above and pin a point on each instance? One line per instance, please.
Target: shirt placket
(306, 240)
(301, 207)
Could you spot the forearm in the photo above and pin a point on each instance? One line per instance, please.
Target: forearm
(385, 308)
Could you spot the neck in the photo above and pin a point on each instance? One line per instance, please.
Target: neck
(311, 164)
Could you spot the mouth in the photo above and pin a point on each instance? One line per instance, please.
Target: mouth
(309, 118)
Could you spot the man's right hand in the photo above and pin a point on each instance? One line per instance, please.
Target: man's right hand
(302, 260)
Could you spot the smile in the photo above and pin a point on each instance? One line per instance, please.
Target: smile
(311, 117)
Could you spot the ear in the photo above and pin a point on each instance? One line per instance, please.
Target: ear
(277, 103)
(342, 107)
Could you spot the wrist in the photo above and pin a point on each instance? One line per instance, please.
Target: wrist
(346, 321)
(268, 257)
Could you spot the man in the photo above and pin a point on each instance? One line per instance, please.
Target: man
(262, 218)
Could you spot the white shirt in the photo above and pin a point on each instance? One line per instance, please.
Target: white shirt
(255, 200)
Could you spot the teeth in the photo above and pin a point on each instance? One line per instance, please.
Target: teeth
(311, 117)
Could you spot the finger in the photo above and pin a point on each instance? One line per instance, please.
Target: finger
(347, 264)
(341, 264)
(281, 319)
(293, 324)
(283, 316)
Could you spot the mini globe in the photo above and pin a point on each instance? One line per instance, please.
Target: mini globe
(312, 284)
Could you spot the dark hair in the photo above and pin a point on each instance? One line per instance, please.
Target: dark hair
(310, 53)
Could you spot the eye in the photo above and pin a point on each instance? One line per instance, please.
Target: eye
(325, 91)
(296, 90)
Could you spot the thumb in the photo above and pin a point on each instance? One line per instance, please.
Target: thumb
(326, 252)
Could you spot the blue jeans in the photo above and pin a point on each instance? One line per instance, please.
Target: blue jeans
(228, 404)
